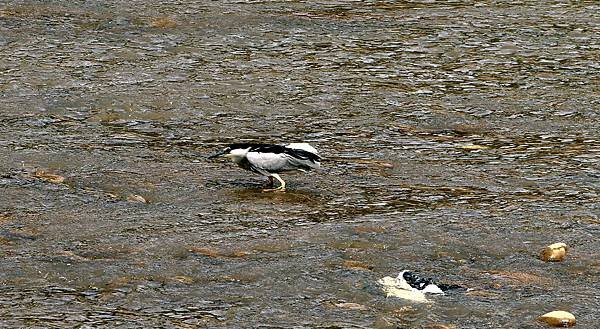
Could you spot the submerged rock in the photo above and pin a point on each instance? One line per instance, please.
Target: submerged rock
(163, 22)
(136, 198)
(356, 265)
(52, 178)
(558, 319)
(351, 306)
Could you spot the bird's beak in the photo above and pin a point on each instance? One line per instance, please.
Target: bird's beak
(216, 154)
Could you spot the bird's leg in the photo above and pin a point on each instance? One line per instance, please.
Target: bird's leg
(281, 187)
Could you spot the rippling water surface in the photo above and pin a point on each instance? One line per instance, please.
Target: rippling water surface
(460, 138)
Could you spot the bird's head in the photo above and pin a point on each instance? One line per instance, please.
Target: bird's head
(235, 152)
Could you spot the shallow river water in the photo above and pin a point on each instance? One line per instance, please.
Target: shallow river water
(459, 139)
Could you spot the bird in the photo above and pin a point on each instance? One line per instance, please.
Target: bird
(411, 281)
(412, 286)
(271, 159)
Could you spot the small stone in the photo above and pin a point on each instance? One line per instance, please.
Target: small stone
(356, 265)
(554, 253)
(163, 22)
(183, 279)
(6, 241)
(72, 256)
(351, 306)
(136, 198)
(473, 147)
(55, 179)
(558, 319)
(204, 251)
(238, 253)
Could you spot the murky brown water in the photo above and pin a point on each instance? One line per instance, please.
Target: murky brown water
(460, 139)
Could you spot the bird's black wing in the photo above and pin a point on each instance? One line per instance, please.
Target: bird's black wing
(302, 154)
(279, 149)
(415, 281)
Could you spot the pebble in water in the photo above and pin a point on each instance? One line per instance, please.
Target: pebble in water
(136, 198)
(558, 319)
(554, 253)
(52, 178)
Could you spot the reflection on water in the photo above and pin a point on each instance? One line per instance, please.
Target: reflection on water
(459, 138)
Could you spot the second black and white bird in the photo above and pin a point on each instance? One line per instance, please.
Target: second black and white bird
(271, 159)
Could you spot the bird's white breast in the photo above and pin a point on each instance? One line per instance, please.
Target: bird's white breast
(268, 161)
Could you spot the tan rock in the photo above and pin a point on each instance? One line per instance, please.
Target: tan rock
(356, 265)
(56, 179)
(204, 251)
(351, 306)
(471, 147)
(136, 198)
(558, 319)
(183, 279)
(554, 253)
(163, 22)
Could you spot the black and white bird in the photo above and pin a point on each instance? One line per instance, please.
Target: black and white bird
(411, 281)
(411, 286)
(271, 159)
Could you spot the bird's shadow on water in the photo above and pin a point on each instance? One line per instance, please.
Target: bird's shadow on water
(287, 196)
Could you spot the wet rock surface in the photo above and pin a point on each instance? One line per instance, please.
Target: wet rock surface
(457, 137)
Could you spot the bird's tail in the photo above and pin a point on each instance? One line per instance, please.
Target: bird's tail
(313, 160)
(304, 147)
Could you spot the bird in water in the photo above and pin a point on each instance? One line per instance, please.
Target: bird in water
(271, 159)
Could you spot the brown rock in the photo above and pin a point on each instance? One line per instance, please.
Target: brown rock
(136, 198)
(351, 306)
(73, 256)
(471, 147)
(6, 241)
(163, 23)
(183, 279)
(204, 251)
(55, 179)
(356, 265)
(238, 253)
(554, 253)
